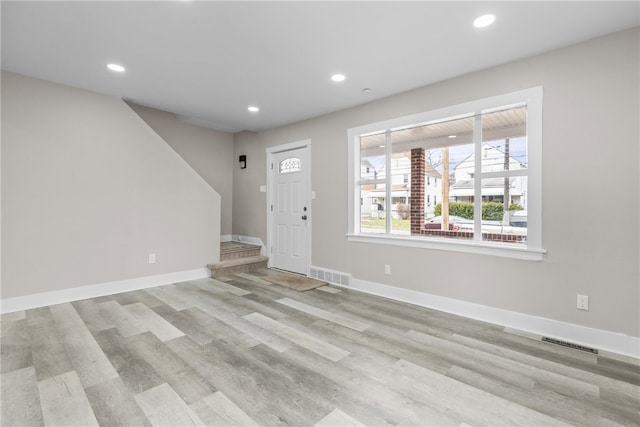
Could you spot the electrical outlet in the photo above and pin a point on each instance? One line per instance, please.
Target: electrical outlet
(583, 302)
(152, 258)
(387, 269)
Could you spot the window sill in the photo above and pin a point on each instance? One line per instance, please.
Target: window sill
(504, 250)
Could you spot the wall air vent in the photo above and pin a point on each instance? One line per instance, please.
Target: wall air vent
(335, 277)
(570, 345)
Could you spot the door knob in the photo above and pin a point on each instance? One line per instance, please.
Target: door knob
(304, 217)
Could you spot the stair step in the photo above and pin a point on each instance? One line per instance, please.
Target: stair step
(237, 265)
(235, 250)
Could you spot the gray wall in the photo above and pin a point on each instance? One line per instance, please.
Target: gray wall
(208, 152)
(590, 181)
(89, 190)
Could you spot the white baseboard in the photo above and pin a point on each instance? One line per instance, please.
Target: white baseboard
(226, 238)
(596, 338)
(27, 302)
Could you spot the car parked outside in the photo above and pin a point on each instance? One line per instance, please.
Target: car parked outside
(514, 222)
(435, 223)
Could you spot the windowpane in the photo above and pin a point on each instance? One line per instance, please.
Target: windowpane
(419, 175)
(400, 191)
(372, 155)
(498, 225)
(372, 208)
(429, 155)
(292, 164)
(504, 140)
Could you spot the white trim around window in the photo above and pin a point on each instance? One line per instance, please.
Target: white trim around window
(533, 250)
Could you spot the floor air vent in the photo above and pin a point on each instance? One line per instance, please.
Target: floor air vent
(570, 345)
(336, 277)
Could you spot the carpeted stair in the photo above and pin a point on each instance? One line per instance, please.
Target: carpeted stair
(237, 257)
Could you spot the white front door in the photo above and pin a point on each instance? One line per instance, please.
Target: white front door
(289, 210)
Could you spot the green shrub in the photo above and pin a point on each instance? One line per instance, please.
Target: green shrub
(461, 209)
(491, 211)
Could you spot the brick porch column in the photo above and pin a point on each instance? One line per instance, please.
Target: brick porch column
(417, 190)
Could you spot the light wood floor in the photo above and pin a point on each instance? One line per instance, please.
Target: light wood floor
(240, 351)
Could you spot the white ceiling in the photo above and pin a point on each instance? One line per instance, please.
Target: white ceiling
(208, 61)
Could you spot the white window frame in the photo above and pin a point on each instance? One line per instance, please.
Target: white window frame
(533, 249)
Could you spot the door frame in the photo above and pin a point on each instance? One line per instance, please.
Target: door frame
(271, 151)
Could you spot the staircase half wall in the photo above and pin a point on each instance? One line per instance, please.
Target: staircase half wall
(90, 191)
(207, 151)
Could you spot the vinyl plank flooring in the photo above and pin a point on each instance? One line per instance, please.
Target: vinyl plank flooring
(549, 366)
(329, 289)
(241, 351)
(186, 323)
(338, 418)
(139, 296)
(136, 373)
(238, 323)
(219, 330)
(50, 357)
(625, 404)
(558, 356)
(319, 379)
(121, 318)
(12, 317)
(85, 354)
(388, 341)
(549, 402)
(255, 279)
(216, 410)
(479, 406)
(163, 407)
(215, 362)
(186, 382)
(222, 286)
(568, 407)
(19, 398)
(384, 318)
(367, 400)
(273, 386)
(533, 344)
(15, 348)
(268, 291)
(507, 370)
(302, 339)
(150, 321)
(248, 304)
(64, 402)
(169, 296)
(270, 307)
(326, 315)
(618, 370)
(90, 313)
(113, 404)
(418, 406)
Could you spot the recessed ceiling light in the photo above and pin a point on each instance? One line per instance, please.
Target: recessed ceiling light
(367, 90)
(484, 20)
(452, 136)
(338, 77)
(116, 67)
(253, 109)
